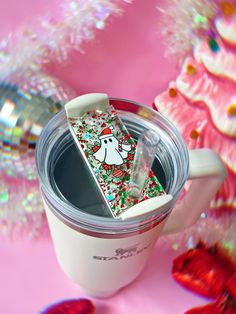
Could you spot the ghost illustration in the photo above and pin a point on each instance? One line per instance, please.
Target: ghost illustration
(111, 151)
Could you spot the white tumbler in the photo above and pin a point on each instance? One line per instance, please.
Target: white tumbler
(102, 254)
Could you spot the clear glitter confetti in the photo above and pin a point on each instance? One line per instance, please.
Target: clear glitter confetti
(175, 246)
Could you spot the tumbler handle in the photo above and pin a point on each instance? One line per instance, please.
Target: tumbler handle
(207, 171)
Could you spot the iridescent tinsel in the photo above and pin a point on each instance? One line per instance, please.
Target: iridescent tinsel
(52, 38)
(183, 22)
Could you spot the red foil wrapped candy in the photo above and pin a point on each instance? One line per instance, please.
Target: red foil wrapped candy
(79, 306)
(225, 303)
(203, 270)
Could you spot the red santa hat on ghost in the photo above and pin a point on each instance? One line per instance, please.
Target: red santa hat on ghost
(106, 133)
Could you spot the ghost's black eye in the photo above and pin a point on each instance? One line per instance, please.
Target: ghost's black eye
(110, 140)
(105, 141)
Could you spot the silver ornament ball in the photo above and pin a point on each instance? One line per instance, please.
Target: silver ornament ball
(27, 102)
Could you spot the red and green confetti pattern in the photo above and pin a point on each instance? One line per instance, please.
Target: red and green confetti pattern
(113, 180)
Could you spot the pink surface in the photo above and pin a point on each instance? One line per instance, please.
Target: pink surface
(31, 279)
(126, 60)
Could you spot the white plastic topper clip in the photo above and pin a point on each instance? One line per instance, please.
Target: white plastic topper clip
(108, 150)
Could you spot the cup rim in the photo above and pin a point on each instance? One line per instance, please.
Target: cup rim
(70, 214)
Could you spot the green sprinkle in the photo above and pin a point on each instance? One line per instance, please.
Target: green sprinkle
(158, 188)
(200, 19)
(125, 194)
(4, 196)
(127, 178)
(213, 45)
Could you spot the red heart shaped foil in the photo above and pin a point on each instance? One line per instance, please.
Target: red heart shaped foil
(203, 270)
(79, 306)
(225, 303)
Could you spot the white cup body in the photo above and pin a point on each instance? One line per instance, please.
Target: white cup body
(101, 264)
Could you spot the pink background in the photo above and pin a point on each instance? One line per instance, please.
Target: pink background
(125, 60)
